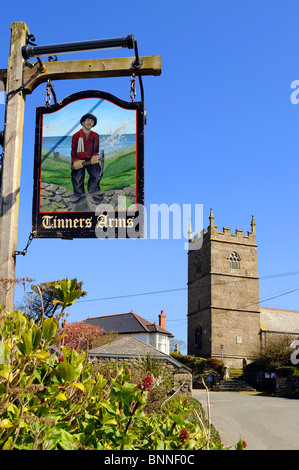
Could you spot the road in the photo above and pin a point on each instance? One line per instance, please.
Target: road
(265, 423)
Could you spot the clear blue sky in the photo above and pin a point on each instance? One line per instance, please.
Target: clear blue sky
(221, 131)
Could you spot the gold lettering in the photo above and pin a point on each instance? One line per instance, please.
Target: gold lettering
(68, 223)
(120, 222)
(102, 221)
(60, 223)
(47, 221)
(88, 223)
(130, 223)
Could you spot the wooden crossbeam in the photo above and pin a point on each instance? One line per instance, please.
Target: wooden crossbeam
(34, 74)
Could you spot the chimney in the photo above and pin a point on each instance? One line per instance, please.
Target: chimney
(162, 320)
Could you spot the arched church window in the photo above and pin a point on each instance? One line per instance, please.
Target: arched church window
(234, 260)
(198, 337)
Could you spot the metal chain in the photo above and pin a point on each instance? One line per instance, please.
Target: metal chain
(31, 236)
(133, 90)
(48, 95)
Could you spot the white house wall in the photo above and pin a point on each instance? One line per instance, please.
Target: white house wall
(158, 341)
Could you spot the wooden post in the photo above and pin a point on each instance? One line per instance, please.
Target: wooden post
(21, 80)
(11, 175)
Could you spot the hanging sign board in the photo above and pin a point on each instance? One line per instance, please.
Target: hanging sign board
(89, 168)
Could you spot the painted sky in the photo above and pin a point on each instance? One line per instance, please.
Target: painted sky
(221, 131)
(111, 118)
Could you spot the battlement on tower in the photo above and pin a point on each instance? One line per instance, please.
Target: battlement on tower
(212, 233)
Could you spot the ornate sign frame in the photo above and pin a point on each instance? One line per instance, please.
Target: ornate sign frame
(102, 196)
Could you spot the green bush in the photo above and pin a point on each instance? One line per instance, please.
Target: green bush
(196, 364)
(275, 353)
(214, 365)
(63, 403)
(199, 365)
(162, 386)
(286, 371)
(196, 413)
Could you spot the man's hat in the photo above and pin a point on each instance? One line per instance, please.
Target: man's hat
(88, 116)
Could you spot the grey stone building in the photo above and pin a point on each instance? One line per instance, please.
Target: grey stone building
(225, 320)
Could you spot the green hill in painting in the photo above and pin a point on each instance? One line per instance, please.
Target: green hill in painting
(119, 170)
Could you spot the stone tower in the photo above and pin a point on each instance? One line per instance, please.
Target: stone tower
(223, 295)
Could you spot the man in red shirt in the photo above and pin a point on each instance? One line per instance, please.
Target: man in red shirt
(85, 156)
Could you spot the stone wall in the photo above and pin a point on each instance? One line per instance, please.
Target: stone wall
(57, 198)
(182, 378)
(287, 386)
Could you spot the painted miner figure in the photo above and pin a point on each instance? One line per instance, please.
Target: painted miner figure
(85, 157)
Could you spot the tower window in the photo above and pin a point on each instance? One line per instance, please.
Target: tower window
(234, 260)
(198, 338)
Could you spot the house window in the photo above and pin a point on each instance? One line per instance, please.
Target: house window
(198, 338)
(234, 260)
(162, 343)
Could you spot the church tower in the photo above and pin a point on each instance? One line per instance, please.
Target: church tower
(223, 295)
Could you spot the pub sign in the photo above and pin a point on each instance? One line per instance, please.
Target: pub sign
(89, 168)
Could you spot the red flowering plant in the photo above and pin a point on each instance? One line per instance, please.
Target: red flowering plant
(241, 445)
(184, 436)
(51, 403)
(67, 406)
(147, 382)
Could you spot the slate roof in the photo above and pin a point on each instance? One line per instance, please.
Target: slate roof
(126, 323)
(277, 320)
(128, 347)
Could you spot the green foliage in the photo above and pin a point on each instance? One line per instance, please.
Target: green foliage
(214, 365)
(43, 300)
(199, 365)
(241, 445)
(286, 371)
(196, 364)
(48, 403)
(67, 292)
(162, 381)
(275, 353)
(197, 414)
